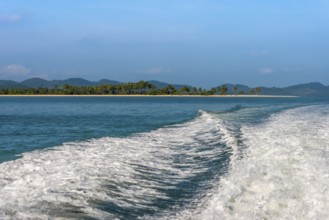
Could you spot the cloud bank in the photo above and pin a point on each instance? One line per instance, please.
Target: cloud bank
(15, 69)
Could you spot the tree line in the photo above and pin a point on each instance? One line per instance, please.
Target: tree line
(131, 88)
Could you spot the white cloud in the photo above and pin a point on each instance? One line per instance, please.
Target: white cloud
(266, 71)
(10, 18)
(15, 69)
(260, 53)
(158, 70)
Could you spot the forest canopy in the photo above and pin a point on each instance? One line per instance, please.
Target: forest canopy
(131, 88)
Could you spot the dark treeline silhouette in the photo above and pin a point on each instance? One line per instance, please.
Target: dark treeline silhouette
(138, 88)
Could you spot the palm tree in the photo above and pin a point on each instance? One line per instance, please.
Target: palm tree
(170, 89)
(223, 89)
(257, 90)
(194, 90)
(212, 91)
(199, 91)
(185, 89)
(235, 90)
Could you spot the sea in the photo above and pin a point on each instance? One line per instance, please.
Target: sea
(164, 158)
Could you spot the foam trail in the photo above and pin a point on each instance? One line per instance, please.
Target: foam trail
(113, 177)
(284, 172)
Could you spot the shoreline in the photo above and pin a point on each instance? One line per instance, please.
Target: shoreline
(205, 96)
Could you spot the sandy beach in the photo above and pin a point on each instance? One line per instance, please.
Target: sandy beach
(206, 96)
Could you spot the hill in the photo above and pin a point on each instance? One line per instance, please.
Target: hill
(307, 89)
(4, 84)
(161, 85)
(42, 83)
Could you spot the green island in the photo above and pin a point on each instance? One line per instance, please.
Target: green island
(131, 88)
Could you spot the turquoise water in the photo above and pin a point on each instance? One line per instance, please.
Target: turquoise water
(163, 158)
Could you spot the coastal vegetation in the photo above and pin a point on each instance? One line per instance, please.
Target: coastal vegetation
(131, 88)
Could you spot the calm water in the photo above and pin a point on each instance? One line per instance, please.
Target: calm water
(164, 158)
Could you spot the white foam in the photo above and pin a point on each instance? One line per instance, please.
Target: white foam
(76, 175)
(284, 172)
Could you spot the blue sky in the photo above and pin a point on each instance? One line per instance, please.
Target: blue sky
(198, 42)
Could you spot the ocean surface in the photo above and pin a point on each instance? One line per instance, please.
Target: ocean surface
(164, 158)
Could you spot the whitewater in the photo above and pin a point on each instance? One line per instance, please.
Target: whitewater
(283, 173)
(244, 162)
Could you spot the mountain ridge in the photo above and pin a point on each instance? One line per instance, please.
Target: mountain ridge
(304, 89)
(42, 83)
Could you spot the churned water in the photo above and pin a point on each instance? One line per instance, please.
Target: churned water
(163, 158)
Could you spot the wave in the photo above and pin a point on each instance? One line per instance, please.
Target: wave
(283, 173)
(216, 166)
(140, 175)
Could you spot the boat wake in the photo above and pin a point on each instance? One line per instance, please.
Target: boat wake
(211, 167)
(146, 174)
(283, 173)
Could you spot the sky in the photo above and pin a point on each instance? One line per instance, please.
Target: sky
(197, 42)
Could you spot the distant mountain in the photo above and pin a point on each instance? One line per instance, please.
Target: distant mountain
(108, 82)
(240, 88)
(161, 85)
(74, 82)
(4, 84)
(307, 89)
(42, 83)
(36, 82)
